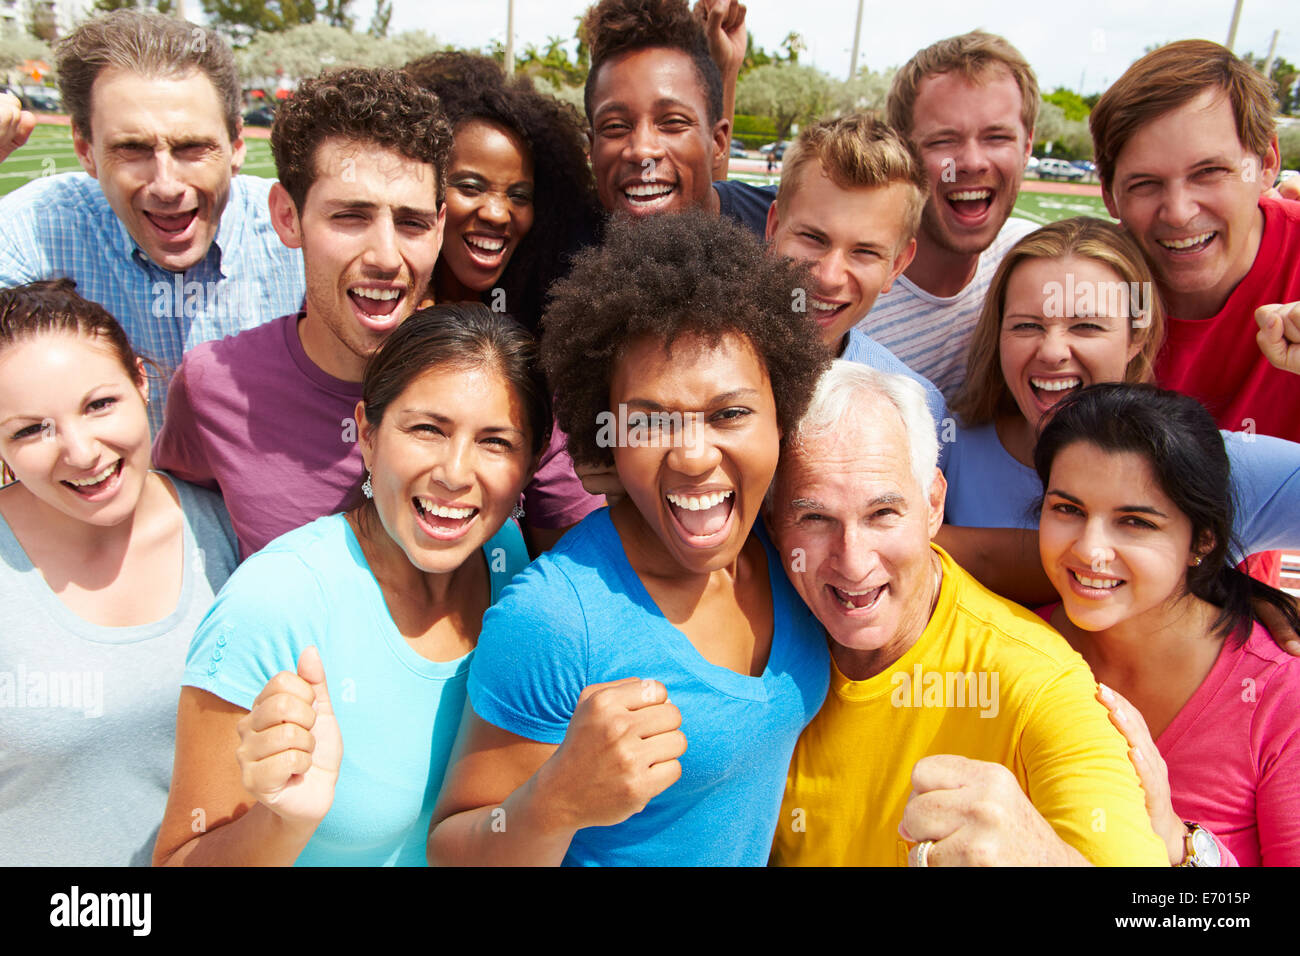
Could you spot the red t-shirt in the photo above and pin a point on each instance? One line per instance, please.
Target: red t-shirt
(1217, 360)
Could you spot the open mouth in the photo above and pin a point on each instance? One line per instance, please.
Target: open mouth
(377, 306)
(444, 522)
(1049, 391)
(102, 483)
(648, 197)
(864, 600)
(970, 204)
(1189, 245)
(702, 520)
(824, 311)
(486, 250)
(172, 225)
(1091, 586)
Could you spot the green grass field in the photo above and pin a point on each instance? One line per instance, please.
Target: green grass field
(49, 151)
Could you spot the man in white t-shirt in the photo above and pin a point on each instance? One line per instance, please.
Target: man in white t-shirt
(968, 105)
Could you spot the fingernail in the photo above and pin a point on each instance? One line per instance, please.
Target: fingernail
(1119, 715)
(1107, 693)
(1293, 647)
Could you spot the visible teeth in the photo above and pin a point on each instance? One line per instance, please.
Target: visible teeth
(649, 189)
(93, 479)
(442, 511)
(1098, 582)
(381, 294)
(826, 306)
(1186, 243)
(1054, 385)
(490, 245)
(842, 595)
(700, 503)
(970, 194)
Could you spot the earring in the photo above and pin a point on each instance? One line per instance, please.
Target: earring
(518, 512)
(366, 490)
(1197, 562)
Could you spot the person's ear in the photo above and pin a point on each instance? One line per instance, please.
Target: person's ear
(142, 379)
(773, 222)
(85, 153)
(721, 141)
(938, 496)
(1270, 164)
(901, 262)
(1108, 197)
(365, 434)
(284, 217)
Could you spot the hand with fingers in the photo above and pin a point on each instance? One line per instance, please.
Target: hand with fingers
(601, 480)
(1151, 771)
(290, 748)
(620, 751)
(1279, 335)
(724, 26)
(965, 812)
(16, 124)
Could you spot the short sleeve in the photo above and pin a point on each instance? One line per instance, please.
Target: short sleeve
(1266, 481)
(531, 661)
(555, 497)
(179, 448)
(270, 610)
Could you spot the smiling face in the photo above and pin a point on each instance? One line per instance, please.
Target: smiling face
(448, 462)
(852, 239)
(699, 491)
(489, 204)
(1113, 544)
(1053, 343)
(974, 148)
(163, 156)
(652, 145)
(370, 230)
(851, 503)
(74, 427)
(1188, 191)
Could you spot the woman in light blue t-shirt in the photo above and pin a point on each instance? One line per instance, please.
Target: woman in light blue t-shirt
(337, 655)
(106, 568)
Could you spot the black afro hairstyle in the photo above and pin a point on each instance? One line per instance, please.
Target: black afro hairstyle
(688, 274)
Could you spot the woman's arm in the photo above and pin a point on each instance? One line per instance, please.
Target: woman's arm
(507, 800)
(1004, 560)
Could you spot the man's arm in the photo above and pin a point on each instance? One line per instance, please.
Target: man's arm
(724, 26)
(16, 124)
(1004, 560)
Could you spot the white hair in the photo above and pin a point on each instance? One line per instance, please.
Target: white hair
(843, 389)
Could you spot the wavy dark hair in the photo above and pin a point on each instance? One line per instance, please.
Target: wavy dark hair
(611, 27)
(566, 213)
(669, 276)
(1183, 445)
(375, 107)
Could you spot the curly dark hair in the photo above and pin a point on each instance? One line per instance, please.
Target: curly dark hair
(611, 27)
(381, 107)
(673, 275)
(566, 213)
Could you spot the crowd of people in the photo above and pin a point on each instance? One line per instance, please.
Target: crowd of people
(505, 485)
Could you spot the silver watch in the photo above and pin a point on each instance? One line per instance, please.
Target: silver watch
(1200, 848)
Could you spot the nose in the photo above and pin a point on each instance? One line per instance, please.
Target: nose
(971, 157)
(494, 209)
(829, 270)
(646, 143)
(382, 251)
(1178, 208)
(852, 558)
(1092, 547)
(79, 448)
(1054, 349)
(694, 450)
(456, 468)
(166, 185)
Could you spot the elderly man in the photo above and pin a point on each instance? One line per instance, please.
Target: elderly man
(159, 229)
(938, 686)
(968, 105)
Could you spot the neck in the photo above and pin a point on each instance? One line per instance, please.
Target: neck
(940, 272)
(447, 288)
(327, 353)
(651, 560)
(1173, 637)
(858, 664)
(1207, 303)
(1017, 437)
(27, 514)
(398, 578)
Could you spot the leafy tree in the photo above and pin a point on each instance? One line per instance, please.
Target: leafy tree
(19, 47)
(1071, 103)
(108, 6)
(866, 91)
(379, 22)
(41, 22)
(241, 20)
(337, 13)
(1284, 76)
(786, 93)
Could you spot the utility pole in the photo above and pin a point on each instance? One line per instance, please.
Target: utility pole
(1232, 30)
(1268, 64)
(857, 33)
(510, 37)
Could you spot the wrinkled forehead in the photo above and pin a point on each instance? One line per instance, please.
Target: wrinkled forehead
(864, 457)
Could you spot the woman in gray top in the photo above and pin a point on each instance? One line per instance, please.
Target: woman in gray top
(106, 568)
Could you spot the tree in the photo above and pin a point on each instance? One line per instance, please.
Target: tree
(337, 14)
(1284, 76)
(20, 47)
(1071, 103)
(241, 20)
(866, 91)
(108, 6)
(41, 22)
(379, 22)
(303, 51)
(787, 93)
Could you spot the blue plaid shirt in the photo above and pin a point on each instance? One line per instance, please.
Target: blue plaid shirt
(62, 226)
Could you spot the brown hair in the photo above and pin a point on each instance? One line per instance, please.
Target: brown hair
(53, 306)
(855, 151)
(1167, 78)
(974, 56)
(375, 107)
(147, 44)
(985, 395)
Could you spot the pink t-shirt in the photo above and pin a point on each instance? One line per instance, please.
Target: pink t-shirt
(251, 416)
(1233, 751)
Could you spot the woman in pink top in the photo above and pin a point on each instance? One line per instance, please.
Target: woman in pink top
(1135, 533)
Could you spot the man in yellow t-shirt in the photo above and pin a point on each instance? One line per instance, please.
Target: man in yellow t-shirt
(927, 662)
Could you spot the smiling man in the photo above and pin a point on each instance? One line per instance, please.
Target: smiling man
(266, 416)
(968, 105)
(159, 229)
(943, 696)
(1186, 150)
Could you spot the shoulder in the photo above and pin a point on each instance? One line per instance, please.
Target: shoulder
(226, 358)
(1013, 230)
(75, 189)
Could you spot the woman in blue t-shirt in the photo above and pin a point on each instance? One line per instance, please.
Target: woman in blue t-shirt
(337, 656)
(639, 689)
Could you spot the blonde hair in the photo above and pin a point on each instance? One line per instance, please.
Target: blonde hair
(855, 151)
(974, 56)
(985, 395)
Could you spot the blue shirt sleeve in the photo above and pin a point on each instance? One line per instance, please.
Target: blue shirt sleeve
(1266, 482)
(531, 661)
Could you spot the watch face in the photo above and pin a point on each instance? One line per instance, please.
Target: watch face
(1204, 848)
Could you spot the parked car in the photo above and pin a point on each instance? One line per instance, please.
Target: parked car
(776, 149)
(259, 116)
(47, 101)
(1058, 169)
(737, 149)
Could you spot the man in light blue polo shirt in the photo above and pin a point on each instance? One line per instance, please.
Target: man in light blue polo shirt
(159, 229)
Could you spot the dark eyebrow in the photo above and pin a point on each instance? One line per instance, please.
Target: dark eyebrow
(441, 419)
(664, 102)
(361, 205)
(725, 398)
(1122, 509)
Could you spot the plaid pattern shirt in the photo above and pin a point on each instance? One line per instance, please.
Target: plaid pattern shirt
(62, 226)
